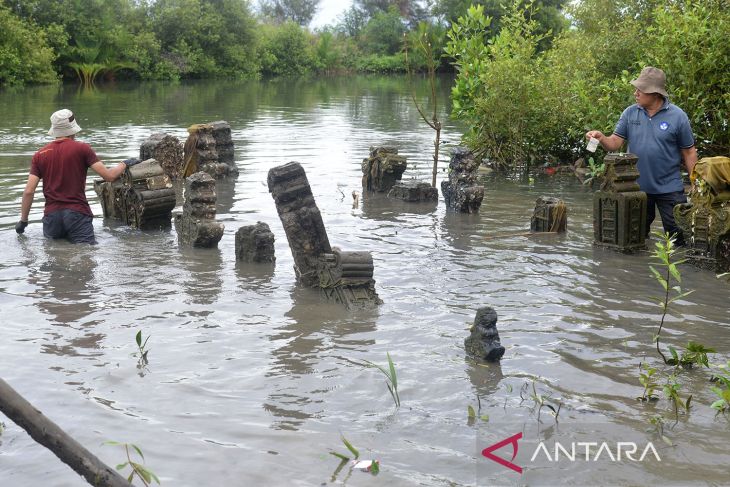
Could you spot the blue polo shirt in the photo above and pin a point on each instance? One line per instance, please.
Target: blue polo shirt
(657, 141)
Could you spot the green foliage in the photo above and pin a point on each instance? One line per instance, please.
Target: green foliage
(664, 252)
(524, 101)
(142, 350)
(390, 376)
(723, 391)
(298, 11)
(671, 392)
(383, 34)
(144, 474)
(25, 55)
(698, 80)
(595, 170)
(648, 380)
(286, 50)
(381, 64)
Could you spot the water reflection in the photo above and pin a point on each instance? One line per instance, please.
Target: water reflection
(303, 363)
(484, 376)
(204, 283)
(66, 290)
(377, 206)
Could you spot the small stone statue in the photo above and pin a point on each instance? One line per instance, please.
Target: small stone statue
(255, 243)
(484, 339)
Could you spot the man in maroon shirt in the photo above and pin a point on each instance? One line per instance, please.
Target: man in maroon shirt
(62, 165)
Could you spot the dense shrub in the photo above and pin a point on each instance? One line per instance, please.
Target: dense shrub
(286, 50)
(25, 55)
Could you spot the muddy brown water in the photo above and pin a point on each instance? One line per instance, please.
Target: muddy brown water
(252, 380)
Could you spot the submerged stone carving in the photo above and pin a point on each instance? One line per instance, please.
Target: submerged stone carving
(382, 169)
(705, 222)
(209, 148)
(550, 215)
(255, 243)
(165, 149)
(414, 191)
(142, 197)
(619, 208)
(196, 225)
(461, 192)
(346, 277)
(484, 339)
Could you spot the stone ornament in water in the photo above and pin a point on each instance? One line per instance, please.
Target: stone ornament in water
(196, 225)
(550, 215)
(255, 243)
(484, 340)
(382, 169)
(619, 209)
(346, 277)
(142, 197)
(461, 191)
(705, 221)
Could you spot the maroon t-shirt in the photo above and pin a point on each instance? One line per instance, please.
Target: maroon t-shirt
(62, 166)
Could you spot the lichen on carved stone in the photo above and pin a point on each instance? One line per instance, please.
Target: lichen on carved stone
(165, 149)
(196, 225)
(483, 342)
(550, 215)
(461, 192)
(382, 169)
(201, 151)
(255, 243)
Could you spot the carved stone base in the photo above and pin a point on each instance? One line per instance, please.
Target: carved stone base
(550, 215)
(619, 220)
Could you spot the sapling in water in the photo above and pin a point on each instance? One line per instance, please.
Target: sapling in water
(664, 252)
(144, 474)
(391, 378)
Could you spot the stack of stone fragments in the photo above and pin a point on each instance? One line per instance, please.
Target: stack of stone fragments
(142, 197)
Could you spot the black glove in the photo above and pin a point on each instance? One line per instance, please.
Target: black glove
(20, 226)
(131, 161)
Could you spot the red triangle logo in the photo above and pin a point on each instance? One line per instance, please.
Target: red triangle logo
(487, 452)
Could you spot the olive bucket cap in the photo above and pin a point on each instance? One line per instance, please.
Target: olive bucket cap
(651, 80)
(63, 124)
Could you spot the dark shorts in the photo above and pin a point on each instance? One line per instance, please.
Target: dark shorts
(71, 225)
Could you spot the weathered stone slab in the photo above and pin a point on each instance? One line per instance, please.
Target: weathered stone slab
(255, 243)
(346, 277)
(301, 219)
(550, 215)
(382, 169)
(224, 144)
(196, 225)
(165, 149)
(414, 191)
(461, 191)
(621, 174)
(483, 342)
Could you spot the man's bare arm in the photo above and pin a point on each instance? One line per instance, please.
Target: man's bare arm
(609, 142)
(106, 173)
(28, 195)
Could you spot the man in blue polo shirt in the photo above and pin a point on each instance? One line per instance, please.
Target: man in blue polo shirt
(659, 133)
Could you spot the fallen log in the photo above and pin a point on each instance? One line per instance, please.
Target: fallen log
(48, 434)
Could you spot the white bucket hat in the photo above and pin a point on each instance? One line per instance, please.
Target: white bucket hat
(63, 124)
